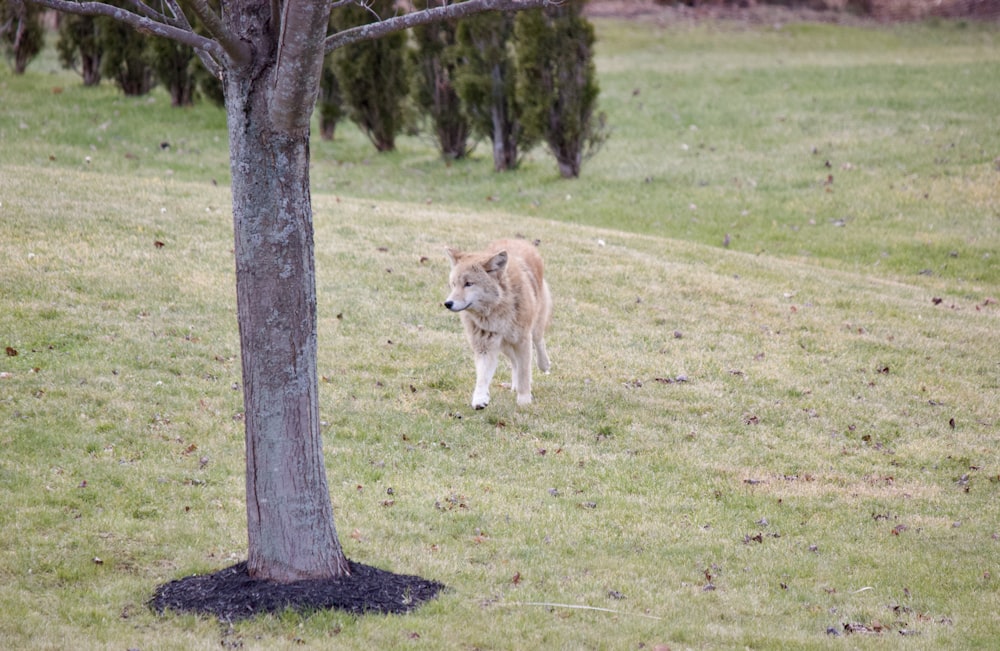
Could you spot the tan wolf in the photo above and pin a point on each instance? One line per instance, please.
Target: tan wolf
(506, 306)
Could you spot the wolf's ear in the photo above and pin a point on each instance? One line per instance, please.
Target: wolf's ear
(497, 263)
(453, 255)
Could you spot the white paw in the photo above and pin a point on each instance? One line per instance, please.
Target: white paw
(523, 399)
(480, 401)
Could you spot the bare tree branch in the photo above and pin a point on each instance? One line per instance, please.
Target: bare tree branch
(237, 50)
(146, 25)
(415, 19)
(180, 20)
(300, 60)
(179, 17)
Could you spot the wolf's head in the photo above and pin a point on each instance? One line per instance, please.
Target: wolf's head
(474, 280)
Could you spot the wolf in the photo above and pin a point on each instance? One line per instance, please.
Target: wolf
(506, 306)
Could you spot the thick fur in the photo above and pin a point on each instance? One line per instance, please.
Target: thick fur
(506, 306)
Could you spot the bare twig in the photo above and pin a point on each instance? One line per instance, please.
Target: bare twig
(147, 11)
(546, 604)
(181, 20)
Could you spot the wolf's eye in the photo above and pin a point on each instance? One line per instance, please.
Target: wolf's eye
(468, 283)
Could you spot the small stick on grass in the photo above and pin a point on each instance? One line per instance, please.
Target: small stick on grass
(579, 607)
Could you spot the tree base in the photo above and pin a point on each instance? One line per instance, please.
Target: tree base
(230, 594)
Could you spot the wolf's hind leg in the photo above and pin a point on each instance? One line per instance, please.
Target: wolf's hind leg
(542, 355)
(540, 325)
(520, 361)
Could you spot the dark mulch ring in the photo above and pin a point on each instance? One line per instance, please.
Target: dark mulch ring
(230, 594)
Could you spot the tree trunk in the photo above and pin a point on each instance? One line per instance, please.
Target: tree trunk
(504, 141)
(90, 69)
(291, 533)
(22, 51)
(569, 168)
(182, 92)
(450, 126)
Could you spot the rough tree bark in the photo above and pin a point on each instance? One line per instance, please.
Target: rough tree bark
(269, 100)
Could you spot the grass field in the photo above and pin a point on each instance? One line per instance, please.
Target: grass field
(787, 443)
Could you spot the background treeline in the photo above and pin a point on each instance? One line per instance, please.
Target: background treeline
(514, 80)
(101, 48)
(894, 10)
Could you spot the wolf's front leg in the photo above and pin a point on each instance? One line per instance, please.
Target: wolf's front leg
(486, 366)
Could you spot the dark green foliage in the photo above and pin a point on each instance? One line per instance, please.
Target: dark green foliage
(137, 62)
(372, 74)
(174, 65)
(128, 59)
(486, 84)
(209, 87)
(434, 66)
(330, 102)
(22, 34)
(556, 82)
(80, 47)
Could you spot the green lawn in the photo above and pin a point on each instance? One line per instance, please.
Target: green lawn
(789, 442)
